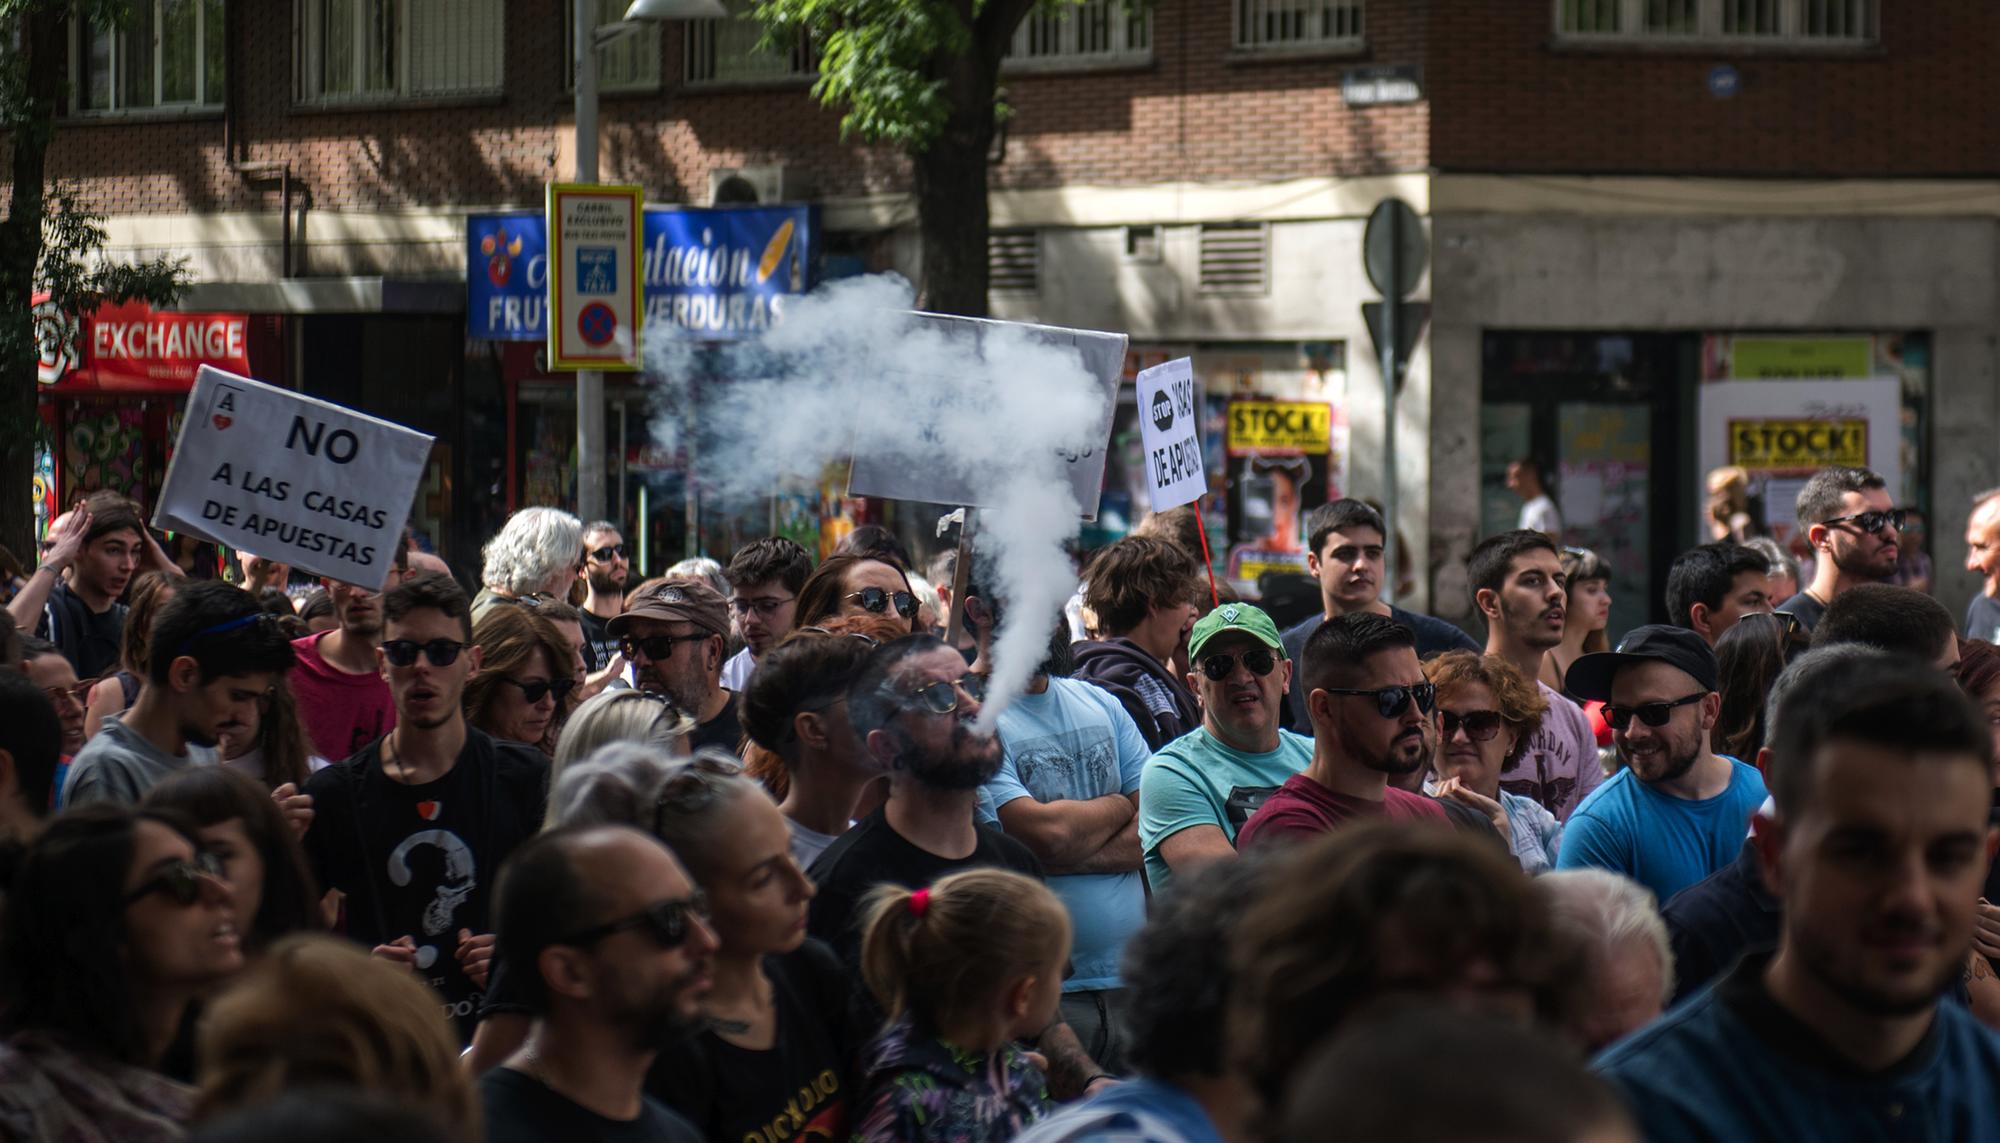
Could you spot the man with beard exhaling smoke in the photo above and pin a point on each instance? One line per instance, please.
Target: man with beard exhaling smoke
(913, 705)
(1678, 811)
(609, 936)
(1878, 843)
(1372, 718)
(1068, 789)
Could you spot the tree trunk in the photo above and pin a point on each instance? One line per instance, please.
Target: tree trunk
(20, 252)
(951, 173)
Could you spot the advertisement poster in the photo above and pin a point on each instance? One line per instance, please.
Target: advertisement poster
(1781, 431)
(1279, 454)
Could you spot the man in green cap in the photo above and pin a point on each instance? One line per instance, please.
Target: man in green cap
(1199, 789)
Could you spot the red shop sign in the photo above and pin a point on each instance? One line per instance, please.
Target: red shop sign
(135, 348)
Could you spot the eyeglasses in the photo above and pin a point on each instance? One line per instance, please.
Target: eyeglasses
(942, 698)
(657, 647)
(403, 652)
(1872, 522)
(534, 692)
(1258, 661)
(182, 880)
(607, 553)
(61, 696)
(1391, 702)
(876, 600)
(1651, 713)
(1480, 725)
(668, 923)
(765, 607)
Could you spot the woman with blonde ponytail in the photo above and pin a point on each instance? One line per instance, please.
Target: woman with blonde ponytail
(961, 969)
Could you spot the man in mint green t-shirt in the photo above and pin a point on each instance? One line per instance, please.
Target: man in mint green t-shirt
(1199, 789)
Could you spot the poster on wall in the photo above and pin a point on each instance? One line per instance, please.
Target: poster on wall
(1780, 432)
(1279, 454)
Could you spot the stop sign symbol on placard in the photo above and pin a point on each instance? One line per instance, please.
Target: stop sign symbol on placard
(1163, 411)
(597, 323)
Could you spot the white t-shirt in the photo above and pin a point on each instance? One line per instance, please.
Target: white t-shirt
(736, 672)
(1540, 515)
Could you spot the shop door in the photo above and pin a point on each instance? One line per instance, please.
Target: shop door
(1600, 412)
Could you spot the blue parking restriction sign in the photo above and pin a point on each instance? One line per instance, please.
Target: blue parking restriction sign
(597, 270)
(597, 324)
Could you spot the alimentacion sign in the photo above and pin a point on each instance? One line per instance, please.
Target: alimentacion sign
(720, 274)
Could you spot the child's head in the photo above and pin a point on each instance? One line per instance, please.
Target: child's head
(983, 949)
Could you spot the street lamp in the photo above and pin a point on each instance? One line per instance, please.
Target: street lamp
(590, 499)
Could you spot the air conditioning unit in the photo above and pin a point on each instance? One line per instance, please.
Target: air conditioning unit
(752, 186)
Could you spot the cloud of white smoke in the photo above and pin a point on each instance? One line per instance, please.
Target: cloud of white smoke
(850, 372)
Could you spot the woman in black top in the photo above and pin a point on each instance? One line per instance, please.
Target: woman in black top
(772, 1064)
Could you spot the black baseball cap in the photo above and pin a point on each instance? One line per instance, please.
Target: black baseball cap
(1589, 677)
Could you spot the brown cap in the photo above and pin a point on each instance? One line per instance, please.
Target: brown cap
(684, 600)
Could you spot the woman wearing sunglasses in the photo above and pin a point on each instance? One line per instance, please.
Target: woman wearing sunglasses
(850, 585)
(521, 691)
(1487, 712)
(114, 924)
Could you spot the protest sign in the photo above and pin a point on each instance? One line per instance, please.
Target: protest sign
(912, 475)
(292, 478)
(1172, 434)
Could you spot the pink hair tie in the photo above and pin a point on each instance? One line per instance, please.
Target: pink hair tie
(919, 902)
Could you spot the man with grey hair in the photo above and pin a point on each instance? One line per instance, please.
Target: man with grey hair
(1627, 965)
(1982, 555)
(538, 552)
(1856, 536)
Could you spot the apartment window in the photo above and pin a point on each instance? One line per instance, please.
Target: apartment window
(1805, 22)
(376, 50)
(729, 51)
(1013, 261)
(168, 54)
(1288, 25)
(629, 63)
(1235, 258)
(1094, 32)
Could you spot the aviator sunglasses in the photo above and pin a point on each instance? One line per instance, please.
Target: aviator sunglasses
(876, 600)
(1257, 661)
(942, 698)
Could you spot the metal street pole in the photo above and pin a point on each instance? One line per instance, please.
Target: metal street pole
(589, 382)
(1389, 308)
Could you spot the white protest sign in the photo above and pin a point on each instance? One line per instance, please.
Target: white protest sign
(918, 475)
(291, 478)
(1171, 430)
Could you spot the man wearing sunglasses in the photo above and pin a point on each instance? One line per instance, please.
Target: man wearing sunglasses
(764, 581)
(612, 946)
(1373, 714)
(413, 827)
(1678, 811)
(1856, 536)
(607, 568)
(213, 656)
(674, 636)
(1201, 788)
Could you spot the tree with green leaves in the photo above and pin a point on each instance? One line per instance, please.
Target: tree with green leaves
(49, 243)
(922, 75)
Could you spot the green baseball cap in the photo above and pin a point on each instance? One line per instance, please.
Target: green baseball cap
(1235, 617)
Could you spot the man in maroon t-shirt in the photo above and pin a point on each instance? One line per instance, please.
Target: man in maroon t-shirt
(342, 698)
(1372, 715)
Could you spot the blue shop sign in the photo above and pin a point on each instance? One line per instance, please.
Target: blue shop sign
(718, 274)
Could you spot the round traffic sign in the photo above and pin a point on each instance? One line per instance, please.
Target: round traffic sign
(597, 323)
(1394, 249)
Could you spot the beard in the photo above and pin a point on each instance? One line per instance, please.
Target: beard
(973, 761)
(1679, 757)
(1527, 625)
(605, 582)
(1406, 755)
(1824, 961)
(1849, 558)
(656, 1022)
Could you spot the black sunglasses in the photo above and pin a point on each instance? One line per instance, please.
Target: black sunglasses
(182, 880)
(668, 923)
(942, 698)
(403, 652)
(876, 600)
(1651, 713)
(1480, 725)
(657, 647)
(1872, 522)
(1257, 660)
(609, 552)
(1391, 702)
(534, 692)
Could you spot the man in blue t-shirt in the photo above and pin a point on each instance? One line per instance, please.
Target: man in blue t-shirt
(1876, 851)
(1678, 811)
(1068, 789)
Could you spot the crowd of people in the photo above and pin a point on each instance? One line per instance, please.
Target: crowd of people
(731, 854)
